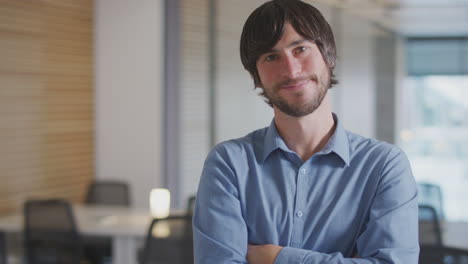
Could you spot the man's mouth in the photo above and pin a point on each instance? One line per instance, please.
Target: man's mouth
(298, 83)
(295, 85)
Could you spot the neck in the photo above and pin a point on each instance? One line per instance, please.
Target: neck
(306, 135)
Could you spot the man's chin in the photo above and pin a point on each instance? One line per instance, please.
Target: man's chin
(296, 111)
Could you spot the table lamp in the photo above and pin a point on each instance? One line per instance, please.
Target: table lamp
(160, 202)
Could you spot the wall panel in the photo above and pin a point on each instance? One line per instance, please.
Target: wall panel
(46, 100)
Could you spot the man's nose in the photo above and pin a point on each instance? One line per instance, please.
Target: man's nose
(291, 67)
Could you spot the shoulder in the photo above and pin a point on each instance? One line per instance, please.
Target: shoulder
(363, 147)
(387, 161)
(230, 158)
(385, 167)
(383, 159)
(247, 146)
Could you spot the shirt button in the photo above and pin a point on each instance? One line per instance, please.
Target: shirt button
(303, 171)
(299, 213)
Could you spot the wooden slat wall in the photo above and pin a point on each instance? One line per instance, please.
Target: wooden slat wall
(46, 100)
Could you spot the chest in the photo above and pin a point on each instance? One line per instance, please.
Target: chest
(307, 205)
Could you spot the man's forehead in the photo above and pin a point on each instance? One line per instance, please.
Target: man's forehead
(292, 44)
(289, 38)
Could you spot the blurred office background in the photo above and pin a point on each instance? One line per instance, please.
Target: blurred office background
(139, 91)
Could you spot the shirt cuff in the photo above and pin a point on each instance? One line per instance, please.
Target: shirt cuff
(289, 255)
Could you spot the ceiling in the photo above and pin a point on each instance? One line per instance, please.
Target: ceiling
(413, 17)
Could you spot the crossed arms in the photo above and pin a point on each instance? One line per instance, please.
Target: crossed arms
(221, 234)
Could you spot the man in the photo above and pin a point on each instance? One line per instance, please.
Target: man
(302, 190)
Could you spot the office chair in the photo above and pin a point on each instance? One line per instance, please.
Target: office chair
(429, 226)
(431, 194)
(169, 241)
(50, 233)
(433, 254)
(189, 214)
(108, 193)
(191, 205)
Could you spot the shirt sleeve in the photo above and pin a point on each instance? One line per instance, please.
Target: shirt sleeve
(220, 232)
(391, 233)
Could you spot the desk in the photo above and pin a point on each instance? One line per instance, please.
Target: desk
(126, 226)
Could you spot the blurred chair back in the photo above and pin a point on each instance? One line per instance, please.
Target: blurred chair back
(50, 233)
(432, 254)
(112, 193)
(108, 193)
(169, 241)
(191, 205)
(431, 194)
(429, 226)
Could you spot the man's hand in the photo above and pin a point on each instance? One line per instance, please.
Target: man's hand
(263, 254)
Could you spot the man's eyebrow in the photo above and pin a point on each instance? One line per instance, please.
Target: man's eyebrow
(292, 44)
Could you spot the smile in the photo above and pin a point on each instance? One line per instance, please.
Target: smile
(296, 85)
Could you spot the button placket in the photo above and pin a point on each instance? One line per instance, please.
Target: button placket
(298, 210)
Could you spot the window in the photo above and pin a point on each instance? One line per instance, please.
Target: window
(434, 123)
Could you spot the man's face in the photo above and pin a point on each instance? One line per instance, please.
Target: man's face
(294, 75)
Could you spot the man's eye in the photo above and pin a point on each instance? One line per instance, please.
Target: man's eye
(301, 49)
(271, 57)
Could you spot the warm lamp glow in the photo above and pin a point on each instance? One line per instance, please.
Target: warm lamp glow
(161, 230)
(160, 202)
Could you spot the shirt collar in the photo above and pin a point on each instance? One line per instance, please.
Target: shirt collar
(338, 142)
(273, 141)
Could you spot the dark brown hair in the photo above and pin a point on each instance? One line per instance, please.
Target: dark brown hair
(265, 26)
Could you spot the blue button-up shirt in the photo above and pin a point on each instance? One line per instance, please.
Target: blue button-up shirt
(355, 201)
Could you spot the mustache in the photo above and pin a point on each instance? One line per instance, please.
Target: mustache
(297, 80)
